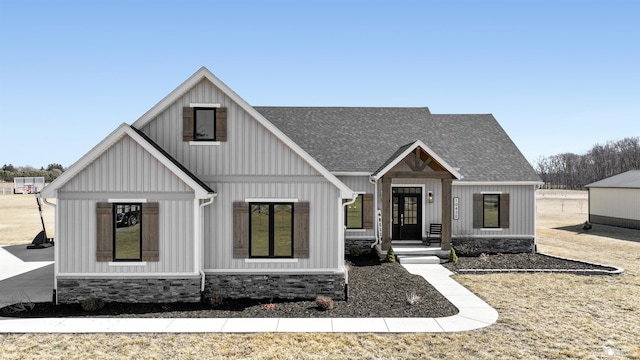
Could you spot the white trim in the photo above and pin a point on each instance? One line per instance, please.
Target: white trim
(499, 236)
(360, 237)
(141, 275)
(351, 173)
(128, 263)
(127, 200)
(204, 105)
(356, 230)
(204, 143)
(271, 200)
(270, 261)
(496, 183)
(204, 73)
(491, 192)
(410, 149)
(492, 229)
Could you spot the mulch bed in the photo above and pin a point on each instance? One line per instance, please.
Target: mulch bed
(521, 262)
(376, 289)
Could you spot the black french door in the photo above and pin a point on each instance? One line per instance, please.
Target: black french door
(406, 213)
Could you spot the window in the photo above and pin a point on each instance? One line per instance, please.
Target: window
(127, 232)
(491, 211)
(354, 214)
(271, 229)
(206, 124)
(127, 237)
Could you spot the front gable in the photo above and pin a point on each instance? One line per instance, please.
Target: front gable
(252, 146)
(417, 160)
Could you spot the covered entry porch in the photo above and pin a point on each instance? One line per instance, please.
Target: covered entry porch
(415, 193)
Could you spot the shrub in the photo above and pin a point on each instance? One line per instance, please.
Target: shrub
(391, 256)
(412, 298)
(92, 304)
(324, 303)
(586, 226)
(354, 251)
(452, 256)
(269, 306)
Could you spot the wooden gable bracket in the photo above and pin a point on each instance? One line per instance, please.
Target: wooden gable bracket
(417, 164)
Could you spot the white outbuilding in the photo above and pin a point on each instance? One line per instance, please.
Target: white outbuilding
(616, 200)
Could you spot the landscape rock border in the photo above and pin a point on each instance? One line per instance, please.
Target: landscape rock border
(616, 270)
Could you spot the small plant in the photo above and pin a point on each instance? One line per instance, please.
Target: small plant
(391, 256)
(92, 304)
(484, 257)
(216, 300)
(347, 265)
(324, 303)
(412, 298)
(586, 226)
(269, 306)
(452, 256)
(354, 251)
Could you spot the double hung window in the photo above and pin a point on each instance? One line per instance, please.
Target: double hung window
(271, 230)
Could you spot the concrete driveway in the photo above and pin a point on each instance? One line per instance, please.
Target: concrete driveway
(26, 275)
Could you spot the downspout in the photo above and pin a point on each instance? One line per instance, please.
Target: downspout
(375, 207)
(55, 252)
(201, 270)
(344, 228)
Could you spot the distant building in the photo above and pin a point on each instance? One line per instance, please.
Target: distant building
(616, 200)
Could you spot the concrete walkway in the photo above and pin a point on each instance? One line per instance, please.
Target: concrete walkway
(473, 314)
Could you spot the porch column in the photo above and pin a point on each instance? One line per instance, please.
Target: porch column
(386, 210)
(446, 214)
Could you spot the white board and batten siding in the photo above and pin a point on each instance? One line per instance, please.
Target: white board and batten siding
(125, 171)
(521, 217)
(251, 164)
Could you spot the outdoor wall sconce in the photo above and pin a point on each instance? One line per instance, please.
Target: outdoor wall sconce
(430, 196)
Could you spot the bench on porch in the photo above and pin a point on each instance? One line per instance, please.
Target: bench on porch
(434, 233)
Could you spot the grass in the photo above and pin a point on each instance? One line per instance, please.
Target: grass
(550, 316)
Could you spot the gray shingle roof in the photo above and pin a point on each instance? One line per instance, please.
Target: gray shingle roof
(629, 179)
(362, 139)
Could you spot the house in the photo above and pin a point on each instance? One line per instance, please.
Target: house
(208, 196)
(616, 200)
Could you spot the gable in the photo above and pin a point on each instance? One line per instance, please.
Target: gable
(126, 167)
(253, 146)
(126, 161)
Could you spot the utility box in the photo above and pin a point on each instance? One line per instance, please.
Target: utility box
(28, 185)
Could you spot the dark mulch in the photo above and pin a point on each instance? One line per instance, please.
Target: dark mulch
(520, 261)
(377, 289)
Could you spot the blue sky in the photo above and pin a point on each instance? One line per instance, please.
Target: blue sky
(559, 76)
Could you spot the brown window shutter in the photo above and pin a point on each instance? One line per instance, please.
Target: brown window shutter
(150, 232)
(504, 211)
(187, 123)
(104, 236)
(240, 230)
(301, 230)
(367, 211)
(478, 212)
(221, 124)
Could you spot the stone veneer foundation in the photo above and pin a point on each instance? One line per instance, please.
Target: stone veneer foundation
(477, 246)
(126, 289)
(364, 245)
(276, 286)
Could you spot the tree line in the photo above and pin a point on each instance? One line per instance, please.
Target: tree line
(572, 171)
(52, 171)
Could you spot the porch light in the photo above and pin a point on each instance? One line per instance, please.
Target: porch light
(430, 196)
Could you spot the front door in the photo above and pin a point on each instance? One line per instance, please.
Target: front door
(407, 213)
